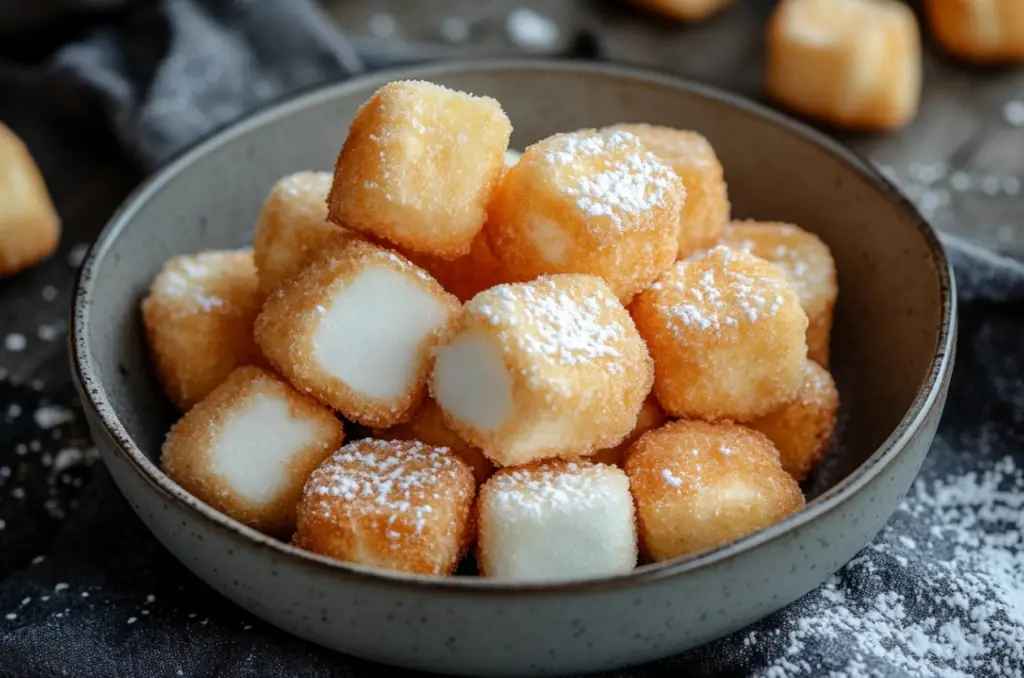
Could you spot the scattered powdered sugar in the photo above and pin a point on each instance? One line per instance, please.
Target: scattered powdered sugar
(722, 294)
(1013, 112)
(76, 255)
(531, 31)
(672, 480)
(549, 321)
(546, 488)
(628, 182)
(49, 416)
(399, 479)
(49, 293)
(960, 612)
(186, 276)
(15, 342)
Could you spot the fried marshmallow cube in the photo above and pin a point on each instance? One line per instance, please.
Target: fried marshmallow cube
(198, 318)
(808, 265)
(355, 329)
(588, 202)
(706, 209)
(428, 426)
(651, 417)
(292, 227)
(543, 369)
(466, 276)
(699, 485)
(855, 63)
(397, 505)
(727, 335)
(683, 10)
(248, 448)
(981, 31)
(802, 428)
(555, 521)
(419, 166)
(29, 225)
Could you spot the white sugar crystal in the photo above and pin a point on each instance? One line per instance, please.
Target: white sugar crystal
(77, 254)
(672, 480)
(15, 342)
(49, 416)
(531, 31)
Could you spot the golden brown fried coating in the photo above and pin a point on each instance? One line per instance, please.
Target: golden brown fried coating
(29, 225)
(248, 448)
(699, 485)
(556, 520)
(199, 318)
(727, 335)
(854, 63)
(427, 426)
(651, 416)
(398, 505)
(706, 210)
(683, 10)
(543, 369)
(466, 276)
(355, 329)
(293, 227)
(588, 202)
(419, 166)
(802, 428)
(981, 31)
(808, 265)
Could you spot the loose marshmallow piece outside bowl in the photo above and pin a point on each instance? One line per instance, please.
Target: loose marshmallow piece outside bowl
(892, 357)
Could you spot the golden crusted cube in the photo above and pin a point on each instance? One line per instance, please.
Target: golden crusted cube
(802, 428)
(550, 368)
(419, 166)
(727, 335)
(293, 227)
(855, 63)
(683, 10)
(588, 202)
(199, 317)
(808, 265)
(699, 485)
(248, 447)
(397, 505)
(982, 31)
(29, 225)
(466, 276)
(428, 426)
(706, 210)
(355, 329)
(651, 416)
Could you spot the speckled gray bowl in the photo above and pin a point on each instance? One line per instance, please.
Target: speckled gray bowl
(893, 352)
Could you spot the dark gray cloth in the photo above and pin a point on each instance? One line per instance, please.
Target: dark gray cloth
(938, 593)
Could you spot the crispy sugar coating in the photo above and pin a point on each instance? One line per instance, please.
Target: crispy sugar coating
(727, 335)
(651, 416)
(981, 31)
(248, 448)
(699, 485)
(355, 328)
(199, 318)
(428, 426)
(466, 276)
(292, 227)
(588, 202)
(419, 166)
(855, 63)
(29, 225)
(556, 520)
(543, 369)
(683, 10)
(808, 265)
(397, 505)
(706, 209)
(802, 428)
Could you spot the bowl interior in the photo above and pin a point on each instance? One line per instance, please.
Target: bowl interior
(889, 314)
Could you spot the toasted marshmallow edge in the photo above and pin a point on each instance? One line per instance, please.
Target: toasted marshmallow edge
(471, 382)
(252, 451)
(549, 239)
(512, 157)
(541, 541)
(371, 334)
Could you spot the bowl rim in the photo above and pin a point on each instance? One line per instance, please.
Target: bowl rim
(95, 399)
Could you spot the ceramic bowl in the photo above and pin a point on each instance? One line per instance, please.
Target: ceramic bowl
(892, 348)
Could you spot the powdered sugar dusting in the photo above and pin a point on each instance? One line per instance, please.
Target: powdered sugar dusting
(544, 489)
(187, 278)
(628, 179)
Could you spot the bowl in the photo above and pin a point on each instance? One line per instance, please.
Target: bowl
(892, 345)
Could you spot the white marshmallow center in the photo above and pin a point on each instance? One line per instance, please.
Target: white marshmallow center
(371, 335)
(471, 382)
(255, 445)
